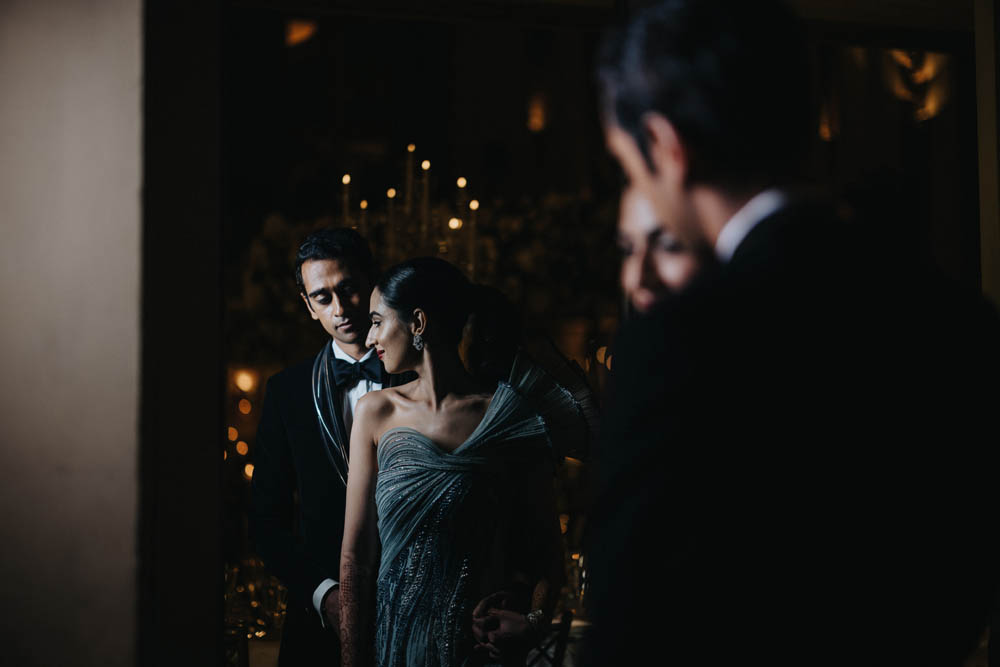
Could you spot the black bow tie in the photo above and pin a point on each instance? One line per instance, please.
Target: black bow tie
(346, 374)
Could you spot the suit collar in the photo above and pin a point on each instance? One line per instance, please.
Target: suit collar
(343, 356)
(761, 206)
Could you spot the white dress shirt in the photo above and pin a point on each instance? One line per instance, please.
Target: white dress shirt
(762, 205)
(349, 400)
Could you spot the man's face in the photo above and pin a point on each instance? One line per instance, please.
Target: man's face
(337, 296)
(663, 187)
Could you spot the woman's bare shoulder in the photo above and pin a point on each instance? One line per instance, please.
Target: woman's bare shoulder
(376, 403)
(374, 409)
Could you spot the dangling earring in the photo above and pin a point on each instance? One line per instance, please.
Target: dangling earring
(418, 342)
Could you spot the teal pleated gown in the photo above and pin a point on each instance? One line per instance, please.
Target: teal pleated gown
(452, 524)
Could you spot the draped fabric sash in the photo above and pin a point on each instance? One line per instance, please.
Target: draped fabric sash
(445, 518)
(415, 474)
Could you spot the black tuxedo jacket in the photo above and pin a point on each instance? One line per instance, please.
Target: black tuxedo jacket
(795, 462)
(299, 542)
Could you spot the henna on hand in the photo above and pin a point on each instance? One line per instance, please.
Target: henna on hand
(357, 597)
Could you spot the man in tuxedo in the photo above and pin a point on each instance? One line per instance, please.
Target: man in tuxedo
(794, 448)
(298, 489)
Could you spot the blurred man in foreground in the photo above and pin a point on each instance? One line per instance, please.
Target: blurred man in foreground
(797, 451)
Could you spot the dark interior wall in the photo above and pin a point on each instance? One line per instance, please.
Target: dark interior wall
(180, 592)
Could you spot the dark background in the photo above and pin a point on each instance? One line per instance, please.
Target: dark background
(460, 82)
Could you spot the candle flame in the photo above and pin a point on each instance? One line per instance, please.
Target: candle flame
(346, 179)
(391, 193)
(462, 182)
(474, 204)
(425, 165)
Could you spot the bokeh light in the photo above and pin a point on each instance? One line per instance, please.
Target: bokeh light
(298, 31)
(246, 380)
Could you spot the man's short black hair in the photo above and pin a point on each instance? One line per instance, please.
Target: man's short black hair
(340, 243)
(731, 76)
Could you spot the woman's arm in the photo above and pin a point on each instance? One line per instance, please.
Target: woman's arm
(359, 550)
(503, 625)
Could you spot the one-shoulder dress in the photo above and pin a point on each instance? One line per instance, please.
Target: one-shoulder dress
(454, 526)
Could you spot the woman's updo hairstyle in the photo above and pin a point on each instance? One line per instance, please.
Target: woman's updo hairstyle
(436, 287)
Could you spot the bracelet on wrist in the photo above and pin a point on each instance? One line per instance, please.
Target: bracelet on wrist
(537, 621)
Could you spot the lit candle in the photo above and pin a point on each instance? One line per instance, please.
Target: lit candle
(346, 199)
(425, 202)
(473, 209)
(408, 183)
(363, 226)
(461, 195)
(390, 231)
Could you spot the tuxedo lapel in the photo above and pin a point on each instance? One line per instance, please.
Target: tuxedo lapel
(759, 241)
(336, 402)
(340, 431)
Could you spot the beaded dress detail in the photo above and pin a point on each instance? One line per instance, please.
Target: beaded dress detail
(445, 524)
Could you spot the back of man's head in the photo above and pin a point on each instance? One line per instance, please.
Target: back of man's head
(731, 76)
(337, 243)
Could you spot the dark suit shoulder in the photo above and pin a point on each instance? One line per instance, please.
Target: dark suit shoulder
(803, 234)
(294, 381)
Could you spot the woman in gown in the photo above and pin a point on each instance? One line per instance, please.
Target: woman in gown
(450, 501)
(654, 263)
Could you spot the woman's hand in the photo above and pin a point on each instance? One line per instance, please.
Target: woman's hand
(499, 631)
